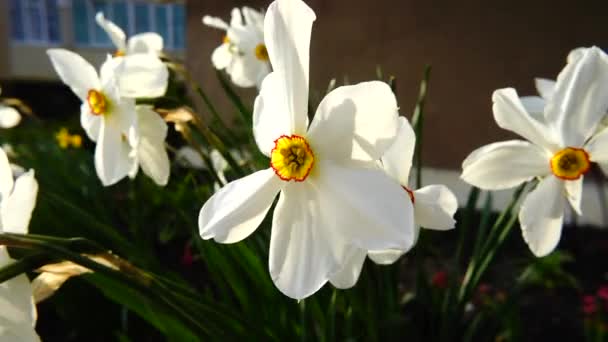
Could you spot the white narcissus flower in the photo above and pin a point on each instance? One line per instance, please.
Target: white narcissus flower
(127, 136)
(148, 42)
(17, 200)
(333, 199)
(147, 137)
(243, 53)
(434, 205)
(559, 150)
(9, 116)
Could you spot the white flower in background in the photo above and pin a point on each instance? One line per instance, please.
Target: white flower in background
(333, 199)
(9, 116)
(243, 53)
(17, 200)
(125, 135)
(559, 150)
(434, 205)
(147, 137)
(186, 156)
(148, 42)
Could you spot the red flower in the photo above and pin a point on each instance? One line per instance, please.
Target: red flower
(440, 280)
(187, 257)
(602, 292)
(589, 305)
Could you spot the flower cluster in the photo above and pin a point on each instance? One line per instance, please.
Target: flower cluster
(127, 135)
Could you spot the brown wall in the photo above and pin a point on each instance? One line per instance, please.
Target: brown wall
(474, 47)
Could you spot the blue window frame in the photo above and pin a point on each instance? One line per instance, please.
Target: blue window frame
(35, 21)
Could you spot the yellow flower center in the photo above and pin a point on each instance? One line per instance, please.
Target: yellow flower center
(292, 158)
(261, 53)
(97, 102)
(119, 53)
(226, 40)
(570, 163)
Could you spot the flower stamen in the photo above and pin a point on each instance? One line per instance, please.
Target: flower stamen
(261, 53)
(291, 158)
(97, 102)
(570, 163)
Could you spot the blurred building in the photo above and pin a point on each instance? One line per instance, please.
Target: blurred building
(29, 27)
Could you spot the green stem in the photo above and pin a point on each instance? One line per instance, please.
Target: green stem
(417, 123)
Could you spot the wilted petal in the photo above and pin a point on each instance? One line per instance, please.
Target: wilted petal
(287, 28)
(580, 100)
(348, 275)
(369, 209)
(574, 193)
(305, 249)
(148, 42)
(355, 122)
(16, 209)
(9, 117)
(234, 212)
(510, 114)
(116, 34)
(541, 216)
(74, 71)
(270, 120)
(435, 207)
(151, 153)
(505, 164)
(397, 160)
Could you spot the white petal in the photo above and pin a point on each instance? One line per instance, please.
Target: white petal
(305, 249)
(217, 160)
(597, 147)
(510, 114)
(90, 122)
(545, 88)
(151, 152)
(287, 28)
(576, 54)
(215, 22)
(16, 210)
(142, 75)
(397, 160)
(234, 212)
(9, 117)
(270, 120)
(505, 164)
(188, 157)
(541, 216)
(112, 159)
(574, 193)
(243, 70)
(604, 168)
(6, 176)
(348, 275)
(369, 209)
(221, 56)
(580, 100)
(357, 122)
(17, 309)
(434, 207)
(74, 71)
(235, 17)
(535, 106)
(253, 17)
(116, 34)
(148, 42)
(385, 257)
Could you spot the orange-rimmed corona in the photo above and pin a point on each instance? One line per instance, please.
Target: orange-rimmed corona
(410, 193)
(98, 103)
(291, 158)
(261, 53)
(570, 163)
